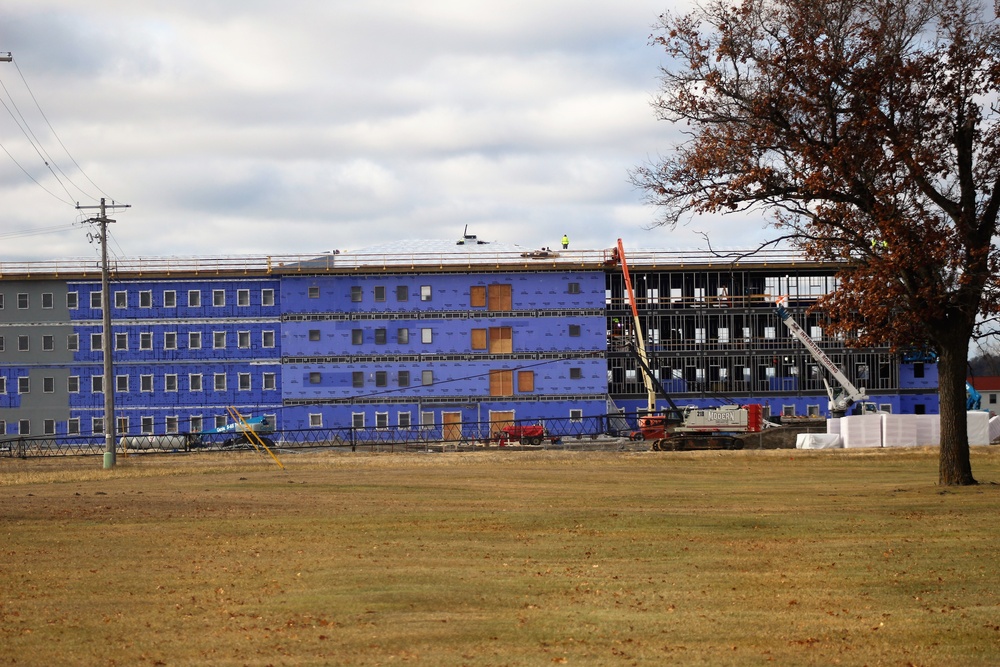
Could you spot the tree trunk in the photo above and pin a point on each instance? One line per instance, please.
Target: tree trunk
(955, 468)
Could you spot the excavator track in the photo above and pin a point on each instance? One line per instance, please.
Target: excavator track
(680, 443)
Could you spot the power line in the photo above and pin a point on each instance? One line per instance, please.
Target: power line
(50, 163)
(26, 173)
(57, 138)
(35, 232)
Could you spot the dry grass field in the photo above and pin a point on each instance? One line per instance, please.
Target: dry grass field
(513, 558)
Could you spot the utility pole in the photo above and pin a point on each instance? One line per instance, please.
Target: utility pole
(106, 334)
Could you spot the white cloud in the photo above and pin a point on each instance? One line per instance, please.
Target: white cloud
(265, 127)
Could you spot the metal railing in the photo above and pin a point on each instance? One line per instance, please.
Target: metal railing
(297, 263)
(596, 432)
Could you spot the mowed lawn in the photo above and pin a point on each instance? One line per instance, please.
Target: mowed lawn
(778, 557)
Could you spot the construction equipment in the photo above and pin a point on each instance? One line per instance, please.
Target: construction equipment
(690, 427)
(847, 395)
(525, 434)
(240, 428)
(973, 399)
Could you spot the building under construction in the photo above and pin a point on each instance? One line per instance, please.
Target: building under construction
(420, 333)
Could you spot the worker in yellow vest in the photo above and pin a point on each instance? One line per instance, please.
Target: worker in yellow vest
(565, 241)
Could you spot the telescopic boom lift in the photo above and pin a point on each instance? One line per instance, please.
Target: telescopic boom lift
(840, 400)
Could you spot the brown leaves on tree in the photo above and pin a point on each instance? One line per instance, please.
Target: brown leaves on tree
(865, 129)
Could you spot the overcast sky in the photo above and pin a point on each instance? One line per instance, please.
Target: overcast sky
(263, 127)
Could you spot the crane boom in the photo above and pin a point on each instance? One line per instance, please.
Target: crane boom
(849, 394)
(640, 341)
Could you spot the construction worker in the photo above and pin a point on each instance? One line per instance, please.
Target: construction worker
(565, 241)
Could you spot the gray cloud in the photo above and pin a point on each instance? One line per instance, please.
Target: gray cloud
(259, 127)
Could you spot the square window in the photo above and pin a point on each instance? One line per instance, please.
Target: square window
(170, 340)
(121, 341)
(194, 340)
(95, 341)
(425, 292)
(576, 415)
(242, 297)
(22, 301)
(218, 298)
(22, 343)
(121, 299)
(427, 378)
(95, 299)
(49, 385)
(195, 423)
(574, 330)
(267, 338)
(146, 299)
(575, 373)
(573, 288)
(220, 421)
(357, 379)
(315, 420)
(169, 299)
(24, 427)
(403, 378)
(219, 382)
(73, 426)
(357, 294)
(426, 335)
(194, 298)
(314, 292)
(72, 300)
(381, 378)
(121, 383)
(379, 293)
(243, 340)
(357, 336)
(268, 381)
(314, 335)
(48, 343)
(146, 340)
(358, 420)
(403, 419)
(219, 340)
(172, 424)
(49, 426)
(402, 293)
(97, 425)
(73, 342)
(315, 378)
(267, 297)
(147, 425)
(194, 382)
(146, 383)
(170, 382)
(381, 336)
(97, 384)
(403, 336)
(244, 381)
(72, 384)
(381, 420)
(48, 300)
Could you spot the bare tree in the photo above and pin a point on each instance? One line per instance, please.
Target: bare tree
(867, 128)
